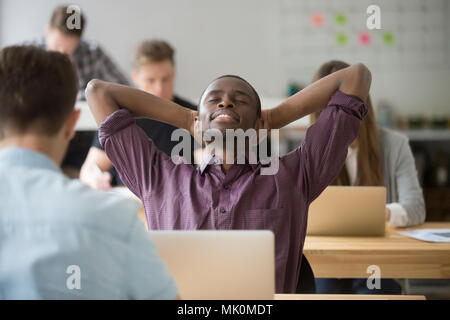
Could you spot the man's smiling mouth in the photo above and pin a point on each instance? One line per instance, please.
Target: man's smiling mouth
(224, 116)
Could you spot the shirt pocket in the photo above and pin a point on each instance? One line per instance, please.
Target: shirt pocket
(275, 220)
(264, 219)
(180, 213)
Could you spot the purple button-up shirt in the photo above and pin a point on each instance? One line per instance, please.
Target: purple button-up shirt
(180, 196)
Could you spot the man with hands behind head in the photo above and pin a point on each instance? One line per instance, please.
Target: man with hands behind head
(221, 195)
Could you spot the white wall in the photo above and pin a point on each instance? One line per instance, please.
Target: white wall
(213, 38)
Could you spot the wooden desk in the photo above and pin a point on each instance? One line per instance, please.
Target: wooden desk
(345, 297)
(397, 256)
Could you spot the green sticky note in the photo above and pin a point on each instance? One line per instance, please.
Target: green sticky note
(341, 39)
(388, 38)
(341, 19)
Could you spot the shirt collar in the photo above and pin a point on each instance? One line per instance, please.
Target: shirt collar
(15, 156)
(211, 159)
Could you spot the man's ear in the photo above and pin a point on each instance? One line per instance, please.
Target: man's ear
(258, 124)
(71, 123)
(198, 134)
(263, 122)
(197, 127)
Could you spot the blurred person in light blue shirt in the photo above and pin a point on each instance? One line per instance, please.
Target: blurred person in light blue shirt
(59, 239)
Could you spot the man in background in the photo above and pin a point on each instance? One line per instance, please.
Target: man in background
(59, 238)
(153, 72)
(88, 57)
(90, 61)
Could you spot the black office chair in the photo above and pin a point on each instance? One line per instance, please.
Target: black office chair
(306, 281)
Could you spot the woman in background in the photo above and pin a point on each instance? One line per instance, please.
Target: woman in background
(378, 157)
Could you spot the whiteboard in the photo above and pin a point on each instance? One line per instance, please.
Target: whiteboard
(413, 35)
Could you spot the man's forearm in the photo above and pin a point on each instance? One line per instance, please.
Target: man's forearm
(354, 80)
(105, 98)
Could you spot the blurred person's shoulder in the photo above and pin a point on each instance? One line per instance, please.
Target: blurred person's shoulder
(100, 209)
(394, 145)
(391, 138)
(88, 47)
(34, 195)
(61, 200)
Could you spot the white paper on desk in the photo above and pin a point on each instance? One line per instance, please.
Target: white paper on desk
(429, 235)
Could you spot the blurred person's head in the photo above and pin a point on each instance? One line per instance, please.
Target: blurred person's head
(154, 68)
(58, 36)
(369, 156)
(229, 102)
(38, 92)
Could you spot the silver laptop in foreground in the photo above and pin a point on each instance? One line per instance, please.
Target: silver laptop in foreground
(219, 265)
(348, 211)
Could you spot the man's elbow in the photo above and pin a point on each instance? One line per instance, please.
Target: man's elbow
(99, 100)
(363, 78)
(94, 88)
(363, 73)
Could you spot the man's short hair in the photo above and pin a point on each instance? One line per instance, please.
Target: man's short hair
(153, 51)
(258, 100)
(38, 90)
(59, 20)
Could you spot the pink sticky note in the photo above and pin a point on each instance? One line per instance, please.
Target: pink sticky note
(317, 19)
(364, 38)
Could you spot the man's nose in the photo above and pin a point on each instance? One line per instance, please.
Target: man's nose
(226, 103)
(158, 87)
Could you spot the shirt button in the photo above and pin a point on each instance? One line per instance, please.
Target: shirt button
(222, 210)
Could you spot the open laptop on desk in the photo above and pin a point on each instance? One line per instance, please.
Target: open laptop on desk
(219, 265)
(348, 211)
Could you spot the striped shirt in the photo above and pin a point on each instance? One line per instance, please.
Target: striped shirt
(91, 62)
